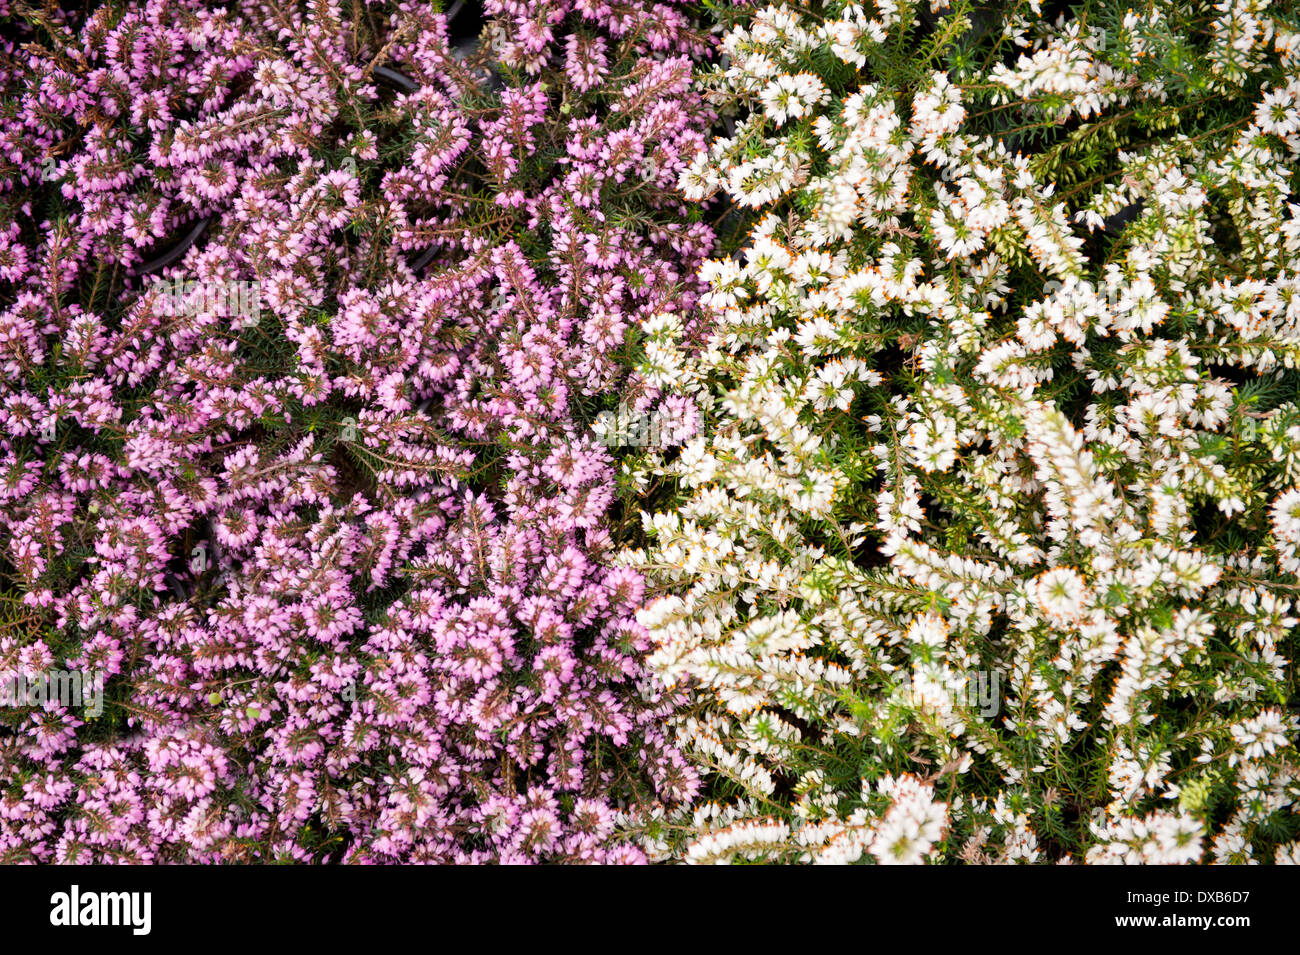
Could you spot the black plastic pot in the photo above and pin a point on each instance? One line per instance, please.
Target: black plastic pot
(397, 80)
(465, 24)
(983, 19)
(1115, 224)
(179, 249)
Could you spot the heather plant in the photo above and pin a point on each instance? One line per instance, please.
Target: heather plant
(987, 551)
(306, 313)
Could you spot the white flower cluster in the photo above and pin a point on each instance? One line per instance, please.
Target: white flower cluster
(959, 424)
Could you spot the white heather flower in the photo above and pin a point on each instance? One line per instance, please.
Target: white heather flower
(1285, 516)
(827, 389)
(698, 180)
(726, 282)
(847, 34)
(912, 824)
(1279, 111)
(1262, 734)
(1061, 594)
(1140, 307)
(1285, 520)
(792, 97)
(927, 629)
(933, 442)
(985, 280)
(749, 839)
(1160, 838)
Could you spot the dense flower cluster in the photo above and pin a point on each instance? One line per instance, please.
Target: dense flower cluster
(320, 499)
(955, 381)
(989, 549)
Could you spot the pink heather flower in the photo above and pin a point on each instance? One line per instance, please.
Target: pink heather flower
(339, 548)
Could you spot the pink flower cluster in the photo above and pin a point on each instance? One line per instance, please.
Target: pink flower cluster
(339, 543)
